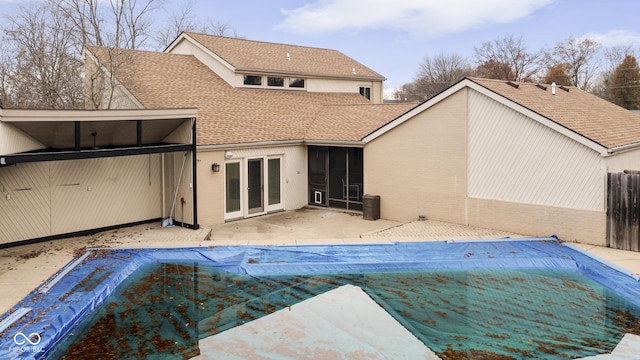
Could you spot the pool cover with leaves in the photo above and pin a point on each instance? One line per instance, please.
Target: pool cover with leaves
(490, 300)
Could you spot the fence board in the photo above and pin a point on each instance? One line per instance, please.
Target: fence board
(623, 211)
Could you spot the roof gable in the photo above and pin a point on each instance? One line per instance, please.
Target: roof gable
(586, 118)
(247, 56)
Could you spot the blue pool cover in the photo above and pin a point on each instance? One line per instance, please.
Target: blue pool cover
(33, 328)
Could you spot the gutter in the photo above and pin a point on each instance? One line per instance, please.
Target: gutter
(258, 144)
(264, 144)
(623, 148)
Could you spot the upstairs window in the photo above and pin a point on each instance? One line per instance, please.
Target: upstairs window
(296, 83)
(275, 81)
(366, 92)
(253, 80)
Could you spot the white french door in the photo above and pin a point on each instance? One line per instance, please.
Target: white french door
(253, 186)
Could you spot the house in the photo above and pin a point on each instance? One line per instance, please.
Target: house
(65, 172)
(521, 157)
(278, 126)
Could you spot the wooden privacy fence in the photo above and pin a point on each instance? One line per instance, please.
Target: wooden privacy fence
(623, 210)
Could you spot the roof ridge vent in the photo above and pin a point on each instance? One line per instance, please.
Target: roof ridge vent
(510, 83)
(540, 86)
(564, 88)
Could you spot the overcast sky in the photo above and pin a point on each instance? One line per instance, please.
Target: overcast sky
(394, 36)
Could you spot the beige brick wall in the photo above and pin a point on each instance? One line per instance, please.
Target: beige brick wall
(584, 226)
(420, 167)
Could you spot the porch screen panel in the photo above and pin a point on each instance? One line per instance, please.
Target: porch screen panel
(355, 178)
(338, 179)
(232, 180)
(273, 169)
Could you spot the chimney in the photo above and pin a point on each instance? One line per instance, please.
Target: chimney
(553, 88)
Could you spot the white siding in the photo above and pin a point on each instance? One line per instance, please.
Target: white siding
(13, 140)
(336, 86)
(58, 197)
(629, 160)
(514, 158)
(186, 47)
(25, 205)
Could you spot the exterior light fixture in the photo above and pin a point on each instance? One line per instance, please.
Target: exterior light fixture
(215, 167)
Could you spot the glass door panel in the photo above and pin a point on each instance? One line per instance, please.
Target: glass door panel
(232, 188)
(255, 188)
(273, 179)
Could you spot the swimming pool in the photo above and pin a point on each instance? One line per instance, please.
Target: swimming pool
(518, 299)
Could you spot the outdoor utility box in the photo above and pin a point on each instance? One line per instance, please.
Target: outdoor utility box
(371, 207)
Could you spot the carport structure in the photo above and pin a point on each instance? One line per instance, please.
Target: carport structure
(65, 172)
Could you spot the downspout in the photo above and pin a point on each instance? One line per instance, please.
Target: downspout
(194, 175)
(164, 201)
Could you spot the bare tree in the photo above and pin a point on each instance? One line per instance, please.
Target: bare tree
(184, 19)
(518, 63)
(38, 67)
(579, 57)
(438, 73)
(123, 23)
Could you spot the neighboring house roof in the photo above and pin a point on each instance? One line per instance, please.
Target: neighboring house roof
(228, 115)
(264, 57)
(591, 120)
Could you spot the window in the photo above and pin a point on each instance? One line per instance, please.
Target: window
(273, 172)
(275, 81)
(232, 183)
(254, 80)
(366, 92)
(296, 83)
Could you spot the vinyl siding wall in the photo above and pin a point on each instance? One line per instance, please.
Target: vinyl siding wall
(52, 198)
(514, 158)
(529, 179)
(13, 140)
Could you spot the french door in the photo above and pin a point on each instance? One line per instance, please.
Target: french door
(253, 186)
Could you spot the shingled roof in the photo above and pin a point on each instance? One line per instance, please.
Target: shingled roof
(265, 57)
(228, 115)
(579, 111)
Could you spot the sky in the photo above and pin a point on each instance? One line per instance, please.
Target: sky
(393, 37)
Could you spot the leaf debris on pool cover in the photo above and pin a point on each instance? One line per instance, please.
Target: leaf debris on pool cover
(499, 303)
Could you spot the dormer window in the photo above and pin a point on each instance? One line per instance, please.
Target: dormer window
(296, 83)
(253, 80)
(366, 92)
(275, 81)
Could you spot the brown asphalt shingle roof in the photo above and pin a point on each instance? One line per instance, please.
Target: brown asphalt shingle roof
(586, 114)
(249, 55)
(228, 115)
(353, 122)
